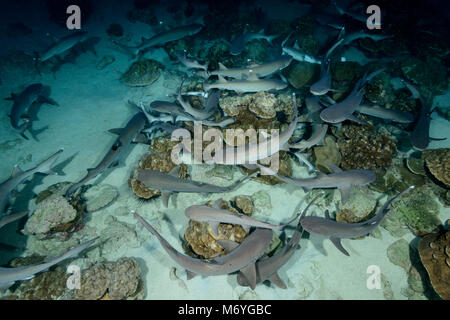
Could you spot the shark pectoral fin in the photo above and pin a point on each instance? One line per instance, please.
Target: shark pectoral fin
(276, 280)
(116, 131)
(214, 225)
(327, 214)
(165, 195)
(5, 286)
(17, 170)
(45, 99)
(229, 245)
(249, 273)
(338, 244)
(241, 280)
(307, 189)
(114, 164)
(24, 136)
(140, 138)
(190, 274)
(174, 172)
(345, 194)
(355, 119)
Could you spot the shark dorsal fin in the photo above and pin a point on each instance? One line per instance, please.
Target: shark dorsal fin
(252, 76)
(174, 172)
(334, 168)
(214, 225)
(222, 67)
(249, 273)
(16, 171)
(217, 204)
(221, 79)
(296, 45)
(116, 131)
(261, 31)
(229, 245)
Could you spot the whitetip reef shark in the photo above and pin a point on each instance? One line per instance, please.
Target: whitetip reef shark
(336, 231)
(6, 219)
(238, 44)
(343, 110)
(253, 152)
(189, 63)
(19, 176)
(242, 258)
(250, 84)
(169, 183)
(343, 180)
(260, 70)
(214, 216)
(420, 136)
(126, 136)
(267, 267)
(317, 136)
(173, 34)
(35, 92)
(8, 276)
(62, 45)
(296, 53)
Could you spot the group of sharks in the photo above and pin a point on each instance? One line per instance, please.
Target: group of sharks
(248, 258)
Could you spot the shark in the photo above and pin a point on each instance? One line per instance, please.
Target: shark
(169, 183)
(323, 85)
(35, 92)
(238, 44)
(336, 231)
(251, 84)
(260, 70)
(343, 110)
(19, 176)
(188, 63)
(215, 215)
(62, 45)
(420, 136)
(242, 258)
(253, 152)
(343, 180)
(127, 135)
(8, 276)
(173, 34)
(211, 106)
(6, 219)
(267, 267)
(318, 134)
(296, 53)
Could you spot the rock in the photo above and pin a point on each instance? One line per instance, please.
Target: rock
(328, 153)
(263, 105)
(429, 74)
(53, 213)
(222, 171)
(346, 71)
(398, 254)
(100, 196)
(299, 74)
(110, 281)
(200, 239)
(262, 203)
(104, 62)
(142, 73)
(438, 162)
(115, 30)
(416, 166)
(434, 250)
(359, 206)
(244, 204)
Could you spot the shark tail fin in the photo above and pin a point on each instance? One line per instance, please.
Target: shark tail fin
(46, 166)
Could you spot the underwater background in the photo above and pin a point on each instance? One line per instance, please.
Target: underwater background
(130, 54)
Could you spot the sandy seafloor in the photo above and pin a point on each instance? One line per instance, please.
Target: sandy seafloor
(93, 101)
